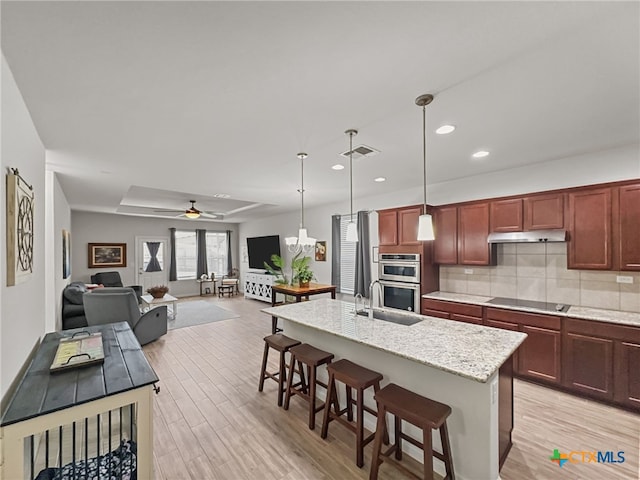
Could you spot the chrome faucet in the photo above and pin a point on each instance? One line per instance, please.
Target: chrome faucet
(371, 296)
(355, 303)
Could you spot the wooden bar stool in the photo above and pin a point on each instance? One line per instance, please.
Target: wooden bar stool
(423, 413)
(282, 344)
(312, 357)
(354, 377)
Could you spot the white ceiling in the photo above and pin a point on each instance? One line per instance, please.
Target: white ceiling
(146, 105)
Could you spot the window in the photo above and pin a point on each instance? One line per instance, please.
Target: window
(217, 253)
(347, 258)
(187, 254)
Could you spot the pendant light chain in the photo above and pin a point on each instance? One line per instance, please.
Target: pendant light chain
(424, 155)
(352, 232)
(425, 221)
(301, 243)
(351, 171)
(302, 156)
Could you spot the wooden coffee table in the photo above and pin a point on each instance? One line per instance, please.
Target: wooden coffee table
(148, 302)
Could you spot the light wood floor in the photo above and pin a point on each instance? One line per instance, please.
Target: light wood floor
(210, 422)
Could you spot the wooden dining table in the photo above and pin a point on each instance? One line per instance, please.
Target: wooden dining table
(299, 293)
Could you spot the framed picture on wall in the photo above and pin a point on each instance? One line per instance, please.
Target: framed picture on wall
(107, 255)
(66, 254)
(20, 229)
(321, 251)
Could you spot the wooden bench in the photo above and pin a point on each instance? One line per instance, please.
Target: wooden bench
(228, 289)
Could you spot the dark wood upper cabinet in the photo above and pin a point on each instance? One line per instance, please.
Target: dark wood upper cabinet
(506, 215)
(473, 230)
(590, 229)
(388, 227)
(544, 212)
(408, 226)
(445, 225)
(628, 227)
(399, 227)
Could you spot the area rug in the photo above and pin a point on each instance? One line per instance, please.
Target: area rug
(197, 313)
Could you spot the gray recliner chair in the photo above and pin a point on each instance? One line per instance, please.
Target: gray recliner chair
(120, 304)
(112, 279)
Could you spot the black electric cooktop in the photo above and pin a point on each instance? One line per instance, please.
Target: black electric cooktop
(514, 302)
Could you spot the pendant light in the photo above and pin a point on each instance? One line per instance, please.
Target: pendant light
(352, 228)
(425, 222)
(301, 243)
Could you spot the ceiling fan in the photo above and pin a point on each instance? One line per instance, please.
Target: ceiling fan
(192, 212)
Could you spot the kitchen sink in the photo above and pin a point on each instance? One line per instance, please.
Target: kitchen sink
(393, 317)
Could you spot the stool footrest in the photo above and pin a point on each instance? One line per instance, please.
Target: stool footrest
(400, 466)
(412, 440)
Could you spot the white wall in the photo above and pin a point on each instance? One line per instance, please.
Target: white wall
(89, 227)
(58, 217)
(318, 224)
(22, 307)
(600, 167)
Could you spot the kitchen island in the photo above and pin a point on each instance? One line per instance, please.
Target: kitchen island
(468, 367)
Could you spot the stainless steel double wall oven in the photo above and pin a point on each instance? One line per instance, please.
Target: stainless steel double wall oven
(399, 275)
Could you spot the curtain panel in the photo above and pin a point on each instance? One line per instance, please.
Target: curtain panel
(335, 250)
(363, 258)
(201, 253)
(173, 270)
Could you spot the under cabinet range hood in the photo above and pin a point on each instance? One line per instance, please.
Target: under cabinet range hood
(525, 237)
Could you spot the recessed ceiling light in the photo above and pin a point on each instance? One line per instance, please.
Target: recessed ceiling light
(444, 129)
(480, 154)
(379, 179)
(338, 166)
(222, 195)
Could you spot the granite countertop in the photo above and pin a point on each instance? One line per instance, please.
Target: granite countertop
(470, 351)
(584, 313)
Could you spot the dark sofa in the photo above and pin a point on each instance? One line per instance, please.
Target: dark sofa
(73, 315)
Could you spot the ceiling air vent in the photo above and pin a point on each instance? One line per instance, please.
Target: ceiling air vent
(361, 151)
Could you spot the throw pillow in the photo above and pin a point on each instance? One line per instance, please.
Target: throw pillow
(73, 293)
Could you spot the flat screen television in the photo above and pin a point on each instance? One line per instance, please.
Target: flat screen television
(260, 250)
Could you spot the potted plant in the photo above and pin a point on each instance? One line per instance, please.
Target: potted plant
(277, 269)
(301, 272)
(305, 275)
(158, 291)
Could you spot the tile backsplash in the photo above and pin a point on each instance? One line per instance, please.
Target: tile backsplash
(538, 271)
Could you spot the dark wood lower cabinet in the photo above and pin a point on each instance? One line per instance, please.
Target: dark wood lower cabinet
(466, 318)
(461, 312)
(540, 354)
(627, 373)
(507, 326)
(589, 358)
(588, 365)
(436, 313)
(505, 408)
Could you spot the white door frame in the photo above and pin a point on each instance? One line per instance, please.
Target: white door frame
(139, 258)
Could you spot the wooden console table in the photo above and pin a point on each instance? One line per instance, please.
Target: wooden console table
(45, 402)
(298, 293)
